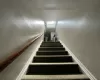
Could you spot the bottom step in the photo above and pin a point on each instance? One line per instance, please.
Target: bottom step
(55, 77)
(53, 69)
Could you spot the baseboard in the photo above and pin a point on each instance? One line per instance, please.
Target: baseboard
(86, 71)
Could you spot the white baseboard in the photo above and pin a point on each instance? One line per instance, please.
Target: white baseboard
(86, 71)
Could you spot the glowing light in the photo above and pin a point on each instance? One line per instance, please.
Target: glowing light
(72, 23)
(34, 22)
(38, 22)
(51, 22)
(67, 22)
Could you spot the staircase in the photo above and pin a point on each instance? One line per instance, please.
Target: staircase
(53, 62)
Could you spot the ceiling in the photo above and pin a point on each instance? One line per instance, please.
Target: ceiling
(48, 10)
(51, 9)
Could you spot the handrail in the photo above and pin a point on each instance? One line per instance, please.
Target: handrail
(17, 53)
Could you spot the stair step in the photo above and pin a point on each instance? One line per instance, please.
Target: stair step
(50, 59)
(50, 42)
(51, 48)
(53, 69)
(51, 45)
(55, 77)
(52, 53)
(67, 63)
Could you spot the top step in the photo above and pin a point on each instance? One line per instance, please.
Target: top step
(51, 45)
(54, 69)
(51, 42)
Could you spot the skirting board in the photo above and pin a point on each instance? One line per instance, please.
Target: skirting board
(86, 71)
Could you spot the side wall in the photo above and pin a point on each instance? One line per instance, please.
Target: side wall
(17, 26)
(82, 37)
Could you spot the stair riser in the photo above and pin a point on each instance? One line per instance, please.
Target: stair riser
(50, 49)
(52, 59)
(53, 69)
(51, 46)
(52, 53)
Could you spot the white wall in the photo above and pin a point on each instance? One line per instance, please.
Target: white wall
(80, 32)
(18, 67)
(17, 26)
(82, 37)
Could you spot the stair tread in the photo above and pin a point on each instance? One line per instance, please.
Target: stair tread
(51, 42)
(54, 51)
(56, 77)
(68, 63)
(53, 55)
(51, 47)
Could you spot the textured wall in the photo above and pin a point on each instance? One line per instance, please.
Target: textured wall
(82, 37)
(17, 25)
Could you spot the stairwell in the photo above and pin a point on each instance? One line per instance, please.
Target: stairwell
(53, 62)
